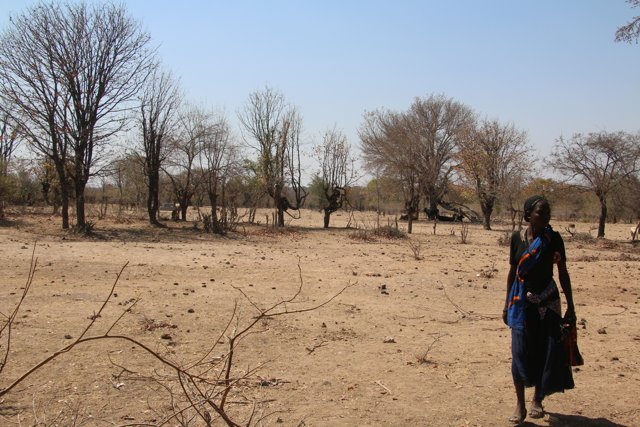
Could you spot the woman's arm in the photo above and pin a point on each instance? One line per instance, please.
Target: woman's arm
(510, 278)
(565, 283)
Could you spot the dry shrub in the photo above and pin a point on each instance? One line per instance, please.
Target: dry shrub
(464, 232)
(583, 237)
(488, 272)
(362, 235)
(277, 231)
(505, 239)
(383, 232)
(389, 232)
(416, 249)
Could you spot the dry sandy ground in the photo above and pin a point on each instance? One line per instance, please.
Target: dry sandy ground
(412, 342)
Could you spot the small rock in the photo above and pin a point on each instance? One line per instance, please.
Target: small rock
(191, 310)
(166, 336)
(602, 331)
(389, 340)
(68, 337)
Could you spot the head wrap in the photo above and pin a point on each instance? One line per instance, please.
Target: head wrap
(530, 203)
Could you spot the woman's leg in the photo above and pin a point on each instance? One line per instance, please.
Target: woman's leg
(536, 410)
(520, 412)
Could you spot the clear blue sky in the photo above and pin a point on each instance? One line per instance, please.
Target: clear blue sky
(551, 67)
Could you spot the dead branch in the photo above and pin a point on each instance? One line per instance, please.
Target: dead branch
(7, 326)
(383, 386)
(424, 358)
(315, 346)
(466, 313)
(199, 394)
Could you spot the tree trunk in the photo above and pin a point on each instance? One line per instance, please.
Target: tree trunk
(64, 194)
(432, 213)
(327, 218)
(153, 198)
(213, 199)
(81, 223)
(280, 217)
(487, 210)
(603, 216)
(183, 200)
(64, 208)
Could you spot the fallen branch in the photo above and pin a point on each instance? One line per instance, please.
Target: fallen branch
(315, 346)
(466, 313)
(200, 389)
(383, 386)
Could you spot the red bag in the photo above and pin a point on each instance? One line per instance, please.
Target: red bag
(570, 340)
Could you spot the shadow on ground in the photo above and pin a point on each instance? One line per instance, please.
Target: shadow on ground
(560, 420)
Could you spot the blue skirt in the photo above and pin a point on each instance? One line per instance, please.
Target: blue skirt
(538, 355)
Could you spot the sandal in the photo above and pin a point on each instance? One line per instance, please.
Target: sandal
(516, 419)
(536, 411)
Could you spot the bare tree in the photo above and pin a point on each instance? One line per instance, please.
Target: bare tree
(274, 131)
(437, 124)
(33, 85)
(193, 127)
(158, 109)
(389, 148)
(72, 71)
(218, 160)
(630, 32)
(337, 171)
(9, 141)
(489, 157)
(601, 162)
(129, 179)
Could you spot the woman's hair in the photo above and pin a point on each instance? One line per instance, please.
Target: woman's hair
(530, 203)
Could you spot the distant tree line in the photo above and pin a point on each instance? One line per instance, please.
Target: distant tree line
(83, 90)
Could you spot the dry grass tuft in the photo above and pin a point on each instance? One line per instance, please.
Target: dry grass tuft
(383, 232)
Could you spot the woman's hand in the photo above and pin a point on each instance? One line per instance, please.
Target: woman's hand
(570, 316)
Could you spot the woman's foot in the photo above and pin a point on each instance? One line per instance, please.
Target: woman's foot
(536, 410)
(518, 415)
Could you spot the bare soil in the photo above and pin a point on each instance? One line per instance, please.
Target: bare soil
(413, 341)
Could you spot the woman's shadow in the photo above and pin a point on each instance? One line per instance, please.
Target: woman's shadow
(561, 420)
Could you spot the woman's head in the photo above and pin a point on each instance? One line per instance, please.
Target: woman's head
(537, 211)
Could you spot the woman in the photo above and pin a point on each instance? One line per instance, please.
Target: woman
(532, 310)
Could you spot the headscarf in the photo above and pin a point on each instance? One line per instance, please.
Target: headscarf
(530, 203)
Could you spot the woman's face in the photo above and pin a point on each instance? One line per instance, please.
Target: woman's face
(540, 215)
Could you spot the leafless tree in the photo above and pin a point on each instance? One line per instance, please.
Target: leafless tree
(388, 147)
(32, 83)
(274, 129)
(193, 127)
(337, 171)
(9, 141)
(630, 32)
(158, 109)
(218, 160)
(71, 71)
(600, 162)
(490, 156)
(437, 124)
(129, 180)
